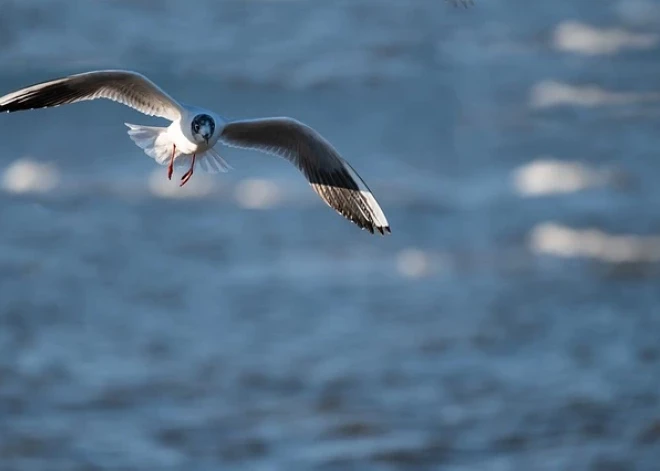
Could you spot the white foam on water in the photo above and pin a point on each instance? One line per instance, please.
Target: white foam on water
(546, 176)
(551, 93)
(580, 38)
(416, 263)
(29, 176)
(257, 194)
(550, 238)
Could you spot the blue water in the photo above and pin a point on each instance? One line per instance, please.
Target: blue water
(142, 332)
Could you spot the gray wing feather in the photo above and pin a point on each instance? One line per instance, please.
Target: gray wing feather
(125, 87)
(331, 177)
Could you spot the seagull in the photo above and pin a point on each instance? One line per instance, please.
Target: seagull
(194, 131)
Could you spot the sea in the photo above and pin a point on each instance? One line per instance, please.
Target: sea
(511, 321)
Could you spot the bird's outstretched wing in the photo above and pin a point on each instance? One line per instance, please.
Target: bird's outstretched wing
(331, 177)
(126, 87)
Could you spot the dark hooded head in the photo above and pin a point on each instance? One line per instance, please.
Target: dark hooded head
(203, 127)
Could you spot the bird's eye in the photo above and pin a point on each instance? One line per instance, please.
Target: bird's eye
(196, 127)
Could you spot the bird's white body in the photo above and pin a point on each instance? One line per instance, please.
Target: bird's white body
(193, 133)
(177, 141)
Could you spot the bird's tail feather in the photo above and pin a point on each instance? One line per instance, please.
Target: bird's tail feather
(154, 141)
(212, 162)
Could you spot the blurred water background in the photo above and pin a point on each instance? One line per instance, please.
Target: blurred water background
(510, 322)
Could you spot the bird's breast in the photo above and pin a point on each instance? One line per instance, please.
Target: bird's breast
(182, 141)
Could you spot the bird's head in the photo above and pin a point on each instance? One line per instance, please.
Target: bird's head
(203, 128)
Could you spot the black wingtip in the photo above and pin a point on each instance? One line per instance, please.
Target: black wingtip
(382, 230)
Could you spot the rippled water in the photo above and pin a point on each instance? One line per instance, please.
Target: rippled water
(509, 322)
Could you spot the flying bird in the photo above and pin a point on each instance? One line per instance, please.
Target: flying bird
(191, 137)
